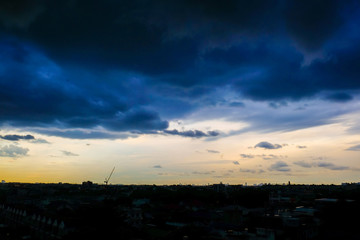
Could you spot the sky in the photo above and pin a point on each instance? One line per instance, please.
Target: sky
(180, 92)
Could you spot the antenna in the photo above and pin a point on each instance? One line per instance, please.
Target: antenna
(107, 179)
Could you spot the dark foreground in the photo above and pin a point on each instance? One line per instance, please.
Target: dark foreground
(90, 211)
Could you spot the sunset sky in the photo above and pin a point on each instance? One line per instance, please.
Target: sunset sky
(190, 92)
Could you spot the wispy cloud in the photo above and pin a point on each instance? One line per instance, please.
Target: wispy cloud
(331, 166)
(272, 156)
(40, 141)
(247, 155)
(354, 148)
(326, 165)
(244, 170)
(69, 154)
(304, 164)
(163, 174)
(212, 151)
(157, 166)
(264, 156)
(203, 172)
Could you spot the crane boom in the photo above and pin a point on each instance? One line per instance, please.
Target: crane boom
(107, 179)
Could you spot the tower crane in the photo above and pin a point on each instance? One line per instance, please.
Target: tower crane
(107, 179)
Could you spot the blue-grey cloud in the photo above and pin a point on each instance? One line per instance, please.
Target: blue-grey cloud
(203, 173)
(331, 166)
(84, 133)
(69, 154)
(15, 137)
(301, 146)
(354, 148)
(162, 174)
(212, 151)
(326, 165)
(245, 170)
(280, 166)
(236, 162)
(192, 133)
(272, 156)
(247, 155)
(264, 156)
(304, 164)
(40, 141)
(267, 145)
(157, 166)
(277, 105)
(13, 151)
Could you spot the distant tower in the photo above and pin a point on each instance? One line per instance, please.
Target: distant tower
(289, 183)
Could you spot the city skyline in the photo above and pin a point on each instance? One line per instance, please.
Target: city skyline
(180, 91)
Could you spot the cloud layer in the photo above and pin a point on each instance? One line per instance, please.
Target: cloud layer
(139, 64)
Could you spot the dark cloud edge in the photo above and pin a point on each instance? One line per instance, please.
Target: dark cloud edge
(113, 135)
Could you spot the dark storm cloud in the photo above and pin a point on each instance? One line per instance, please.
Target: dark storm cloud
(236, 104)
(134, 65)
(267, 145)
(19, 13)
(15, 137)
(313, 22)
(49, 99)
(339, 97)
(121, 34)
(137, 119)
